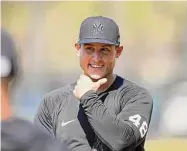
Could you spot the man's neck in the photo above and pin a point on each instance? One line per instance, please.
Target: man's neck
(110, 79)
(6, 110)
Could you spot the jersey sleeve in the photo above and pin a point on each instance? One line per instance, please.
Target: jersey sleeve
(127, 128)
(43, 117)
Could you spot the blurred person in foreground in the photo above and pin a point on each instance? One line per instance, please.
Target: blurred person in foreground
(101, 111)
(18, 134)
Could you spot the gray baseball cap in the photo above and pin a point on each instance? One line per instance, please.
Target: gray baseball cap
(99, 29)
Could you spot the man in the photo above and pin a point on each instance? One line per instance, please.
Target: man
(18, 134)
(101, 111)
(9, 70)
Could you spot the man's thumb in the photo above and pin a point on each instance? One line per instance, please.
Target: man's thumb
(101, 82)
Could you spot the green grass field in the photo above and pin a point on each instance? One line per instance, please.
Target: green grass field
(166, 145)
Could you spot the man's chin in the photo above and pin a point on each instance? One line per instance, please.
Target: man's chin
(95, 77)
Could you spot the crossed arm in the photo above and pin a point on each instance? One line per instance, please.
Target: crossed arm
(127, 128)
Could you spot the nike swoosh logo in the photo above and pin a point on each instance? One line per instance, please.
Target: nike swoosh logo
(65, 123)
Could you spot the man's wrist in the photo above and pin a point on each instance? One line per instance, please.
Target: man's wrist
(89, 95)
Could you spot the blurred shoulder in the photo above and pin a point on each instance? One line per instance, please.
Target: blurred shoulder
(18, 134)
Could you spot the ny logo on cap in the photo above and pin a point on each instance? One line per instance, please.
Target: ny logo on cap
(97, 29)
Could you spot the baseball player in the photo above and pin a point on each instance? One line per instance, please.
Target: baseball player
(101, 111)
(18, 134)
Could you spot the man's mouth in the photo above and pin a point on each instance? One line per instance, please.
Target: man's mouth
(96, 66)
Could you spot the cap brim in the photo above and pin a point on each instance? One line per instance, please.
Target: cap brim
(84, 41)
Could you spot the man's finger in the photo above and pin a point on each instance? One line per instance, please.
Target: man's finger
(78, 82)
(84, 77)
(75, 89)
(101, 82)
(74, 92)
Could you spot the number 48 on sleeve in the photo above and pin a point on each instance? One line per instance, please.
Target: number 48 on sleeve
(135, 119)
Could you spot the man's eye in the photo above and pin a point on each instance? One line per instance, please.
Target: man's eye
(105, 49)
(89, 48)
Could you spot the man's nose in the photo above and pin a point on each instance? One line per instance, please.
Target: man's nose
(97, 56)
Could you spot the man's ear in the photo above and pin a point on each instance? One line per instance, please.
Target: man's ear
(119, 51)
(77, 47)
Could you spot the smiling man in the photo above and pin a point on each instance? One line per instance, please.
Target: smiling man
(101, 111)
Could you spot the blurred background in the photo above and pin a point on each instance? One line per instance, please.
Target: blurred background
(154, 36)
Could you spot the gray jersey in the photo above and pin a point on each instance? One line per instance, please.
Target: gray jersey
(117, 119)
(21, 135)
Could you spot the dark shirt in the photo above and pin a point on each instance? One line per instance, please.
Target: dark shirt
(117, 119)
(21, 135)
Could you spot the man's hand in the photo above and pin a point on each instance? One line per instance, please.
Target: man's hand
(85, 84)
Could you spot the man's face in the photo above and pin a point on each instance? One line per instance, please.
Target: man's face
(98, 60)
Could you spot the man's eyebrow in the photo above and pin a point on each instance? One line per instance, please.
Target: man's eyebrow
(88, 45)
(107, 45)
